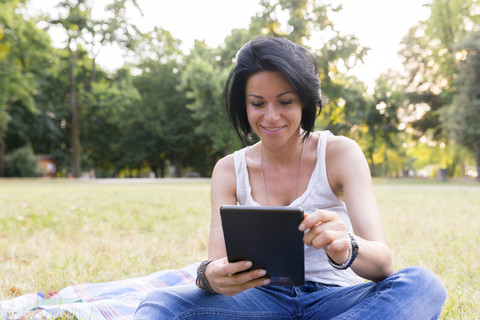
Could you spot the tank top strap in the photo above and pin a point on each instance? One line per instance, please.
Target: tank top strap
(244, 190)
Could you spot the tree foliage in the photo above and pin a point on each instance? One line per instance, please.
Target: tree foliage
(23, 50)
(428, 53)
(162, 112)
(85, 34)
(461, 118)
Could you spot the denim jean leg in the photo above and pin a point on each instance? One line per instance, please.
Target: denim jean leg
(189, 302)
(412, 293)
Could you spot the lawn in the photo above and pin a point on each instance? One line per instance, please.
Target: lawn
(55, 233)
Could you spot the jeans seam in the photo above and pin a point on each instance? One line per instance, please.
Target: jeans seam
(243, 314)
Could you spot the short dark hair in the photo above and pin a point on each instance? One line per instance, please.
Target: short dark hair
(265, 53)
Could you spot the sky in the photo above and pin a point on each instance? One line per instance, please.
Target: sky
(379, 25)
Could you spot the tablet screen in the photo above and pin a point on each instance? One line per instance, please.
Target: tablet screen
(269, 237)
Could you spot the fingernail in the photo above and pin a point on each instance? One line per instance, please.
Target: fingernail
(248, 264)
(261, 273)
(301, 227)
(266, 281)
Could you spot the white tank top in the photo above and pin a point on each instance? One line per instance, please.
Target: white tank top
(318, 195)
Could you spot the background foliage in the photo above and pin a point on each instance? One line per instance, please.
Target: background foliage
(163, 113)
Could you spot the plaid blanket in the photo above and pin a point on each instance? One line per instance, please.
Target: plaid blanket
(94, 301)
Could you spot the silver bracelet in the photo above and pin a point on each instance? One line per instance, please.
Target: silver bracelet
(352, 254)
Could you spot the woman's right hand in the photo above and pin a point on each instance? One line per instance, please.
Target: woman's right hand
(228, 279)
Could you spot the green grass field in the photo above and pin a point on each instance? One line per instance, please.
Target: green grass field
(54, 233)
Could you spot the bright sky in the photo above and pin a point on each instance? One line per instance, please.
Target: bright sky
(379, 24)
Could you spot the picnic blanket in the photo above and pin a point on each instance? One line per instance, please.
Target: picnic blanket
(94, 301)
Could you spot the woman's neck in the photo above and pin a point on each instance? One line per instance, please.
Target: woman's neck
(287, 154)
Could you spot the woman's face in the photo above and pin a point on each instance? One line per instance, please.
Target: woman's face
(274, 109)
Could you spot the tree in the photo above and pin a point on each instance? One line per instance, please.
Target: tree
(113, 98)
(461, 119)
(113, 29)
(162, 113)
(429, 58)
(48, 131)
(383, 121)
(297, 20)
(83, 32)
(74, 24)
(22, 47)
(202, 82)
(231, 45)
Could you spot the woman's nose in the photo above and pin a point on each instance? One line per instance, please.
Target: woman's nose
(271, 114)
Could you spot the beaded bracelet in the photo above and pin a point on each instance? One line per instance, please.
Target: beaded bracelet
(201, 280)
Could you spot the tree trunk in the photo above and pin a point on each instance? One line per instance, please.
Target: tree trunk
(75, 113)
(93, 76)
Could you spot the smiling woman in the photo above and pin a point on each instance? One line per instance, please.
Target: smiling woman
(274, 91)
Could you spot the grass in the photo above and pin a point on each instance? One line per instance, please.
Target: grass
(55, 233)
(437, 225)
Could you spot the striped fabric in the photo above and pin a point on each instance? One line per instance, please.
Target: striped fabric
(94, 301)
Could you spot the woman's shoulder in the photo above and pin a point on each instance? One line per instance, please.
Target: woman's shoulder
(340, 146)
(225, 164)
(223, 176)
(345, 160)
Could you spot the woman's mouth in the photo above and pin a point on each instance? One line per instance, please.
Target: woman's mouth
(273, 129)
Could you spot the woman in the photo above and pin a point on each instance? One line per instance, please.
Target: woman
(274, 92)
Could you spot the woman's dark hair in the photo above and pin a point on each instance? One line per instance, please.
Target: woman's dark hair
(264, 53)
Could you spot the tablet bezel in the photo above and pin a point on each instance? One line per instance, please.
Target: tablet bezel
(269, 237)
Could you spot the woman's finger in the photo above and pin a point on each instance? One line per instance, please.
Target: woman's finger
(317, 217)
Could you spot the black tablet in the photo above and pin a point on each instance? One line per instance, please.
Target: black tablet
(269, 237)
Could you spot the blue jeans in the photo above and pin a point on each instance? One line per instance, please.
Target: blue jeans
(412, 293)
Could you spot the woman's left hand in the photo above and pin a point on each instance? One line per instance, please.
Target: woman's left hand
(327, 230)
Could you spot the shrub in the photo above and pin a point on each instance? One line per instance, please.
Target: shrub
(22, 163)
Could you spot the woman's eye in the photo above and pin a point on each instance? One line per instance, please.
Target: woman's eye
(285, 102)
(256, 104)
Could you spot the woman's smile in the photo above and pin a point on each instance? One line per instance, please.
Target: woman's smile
(273, 129)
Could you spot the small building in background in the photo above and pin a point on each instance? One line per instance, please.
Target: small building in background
(47, 165)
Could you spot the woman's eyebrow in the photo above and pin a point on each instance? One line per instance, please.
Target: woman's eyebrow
(284, 93)
(277, 96)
